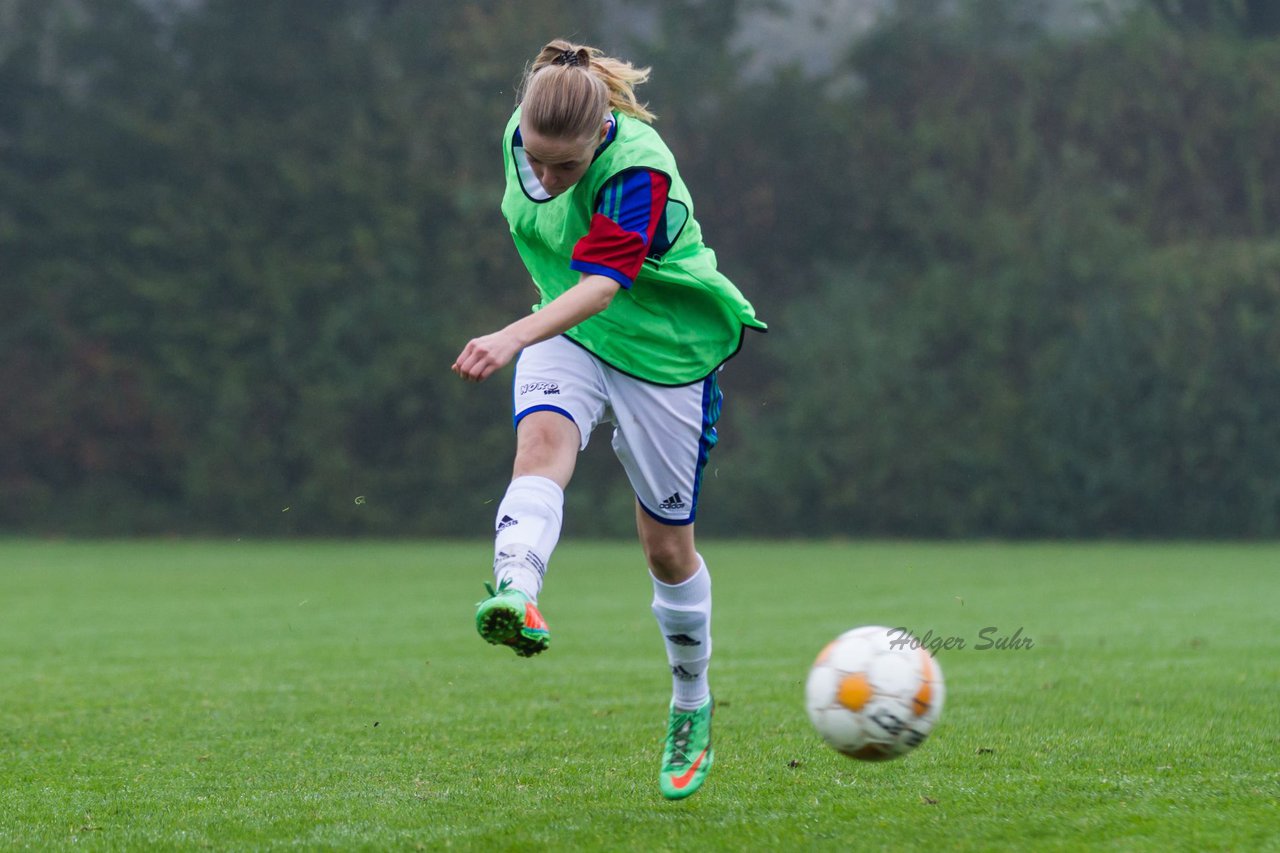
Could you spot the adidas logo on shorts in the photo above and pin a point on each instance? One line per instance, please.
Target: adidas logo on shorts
(673, 502)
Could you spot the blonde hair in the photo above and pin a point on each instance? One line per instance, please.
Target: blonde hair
(568, 88)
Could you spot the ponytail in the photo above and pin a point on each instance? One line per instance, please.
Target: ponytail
(568, 88)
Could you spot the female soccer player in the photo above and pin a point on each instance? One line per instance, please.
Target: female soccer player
(633, 324)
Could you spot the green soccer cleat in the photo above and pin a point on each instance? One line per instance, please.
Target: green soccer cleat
(507, 617)
(687, 756)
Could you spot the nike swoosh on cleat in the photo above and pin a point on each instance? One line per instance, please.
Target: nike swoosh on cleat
(682, 781)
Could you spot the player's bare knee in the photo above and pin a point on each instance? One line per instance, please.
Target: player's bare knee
(538, 445)
(546, 445)
(672, 560)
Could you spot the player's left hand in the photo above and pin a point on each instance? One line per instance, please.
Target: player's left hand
(483, 356)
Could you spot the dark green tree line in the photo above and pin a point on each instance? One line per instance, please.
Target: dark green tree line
(1054, 327)
(1021, 282)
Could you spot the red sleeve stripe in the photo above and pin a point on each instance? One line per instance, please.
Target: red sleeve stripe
(609, 250)
(622, 230)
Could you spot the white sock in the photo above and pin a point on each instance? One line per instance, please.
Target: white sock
(527, 530)
(684, 616)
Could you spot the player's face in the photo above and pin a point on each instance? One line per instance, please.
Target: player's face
(557, 163)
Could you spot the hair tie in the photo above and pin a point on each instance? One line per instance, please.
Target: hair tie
(569, 57)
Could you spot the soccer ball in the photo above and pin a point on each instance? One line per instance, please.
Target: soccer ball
(874, 693)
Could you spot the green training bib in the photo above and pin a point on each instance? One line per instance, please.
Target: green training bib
(681, 318)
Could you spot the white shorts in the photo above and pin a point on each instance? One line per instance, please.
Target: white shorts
(661, 434)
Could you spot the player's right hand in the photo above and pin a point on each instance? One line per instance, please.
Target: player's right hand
(483, 356)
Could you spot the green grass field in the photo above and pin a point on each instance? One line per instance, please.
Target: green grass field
(323, 695)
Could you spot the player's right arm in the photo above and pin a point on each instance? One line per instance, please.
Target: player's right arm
(623, 233)
(485, 355)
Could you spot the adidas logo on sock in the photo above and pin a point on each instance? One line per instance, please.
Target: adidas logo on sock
(673, 502)
(683, 674)
(507, 521)
(682, 640)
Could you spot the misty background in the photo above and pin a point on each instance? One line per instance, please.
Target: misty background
(1019, 259)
